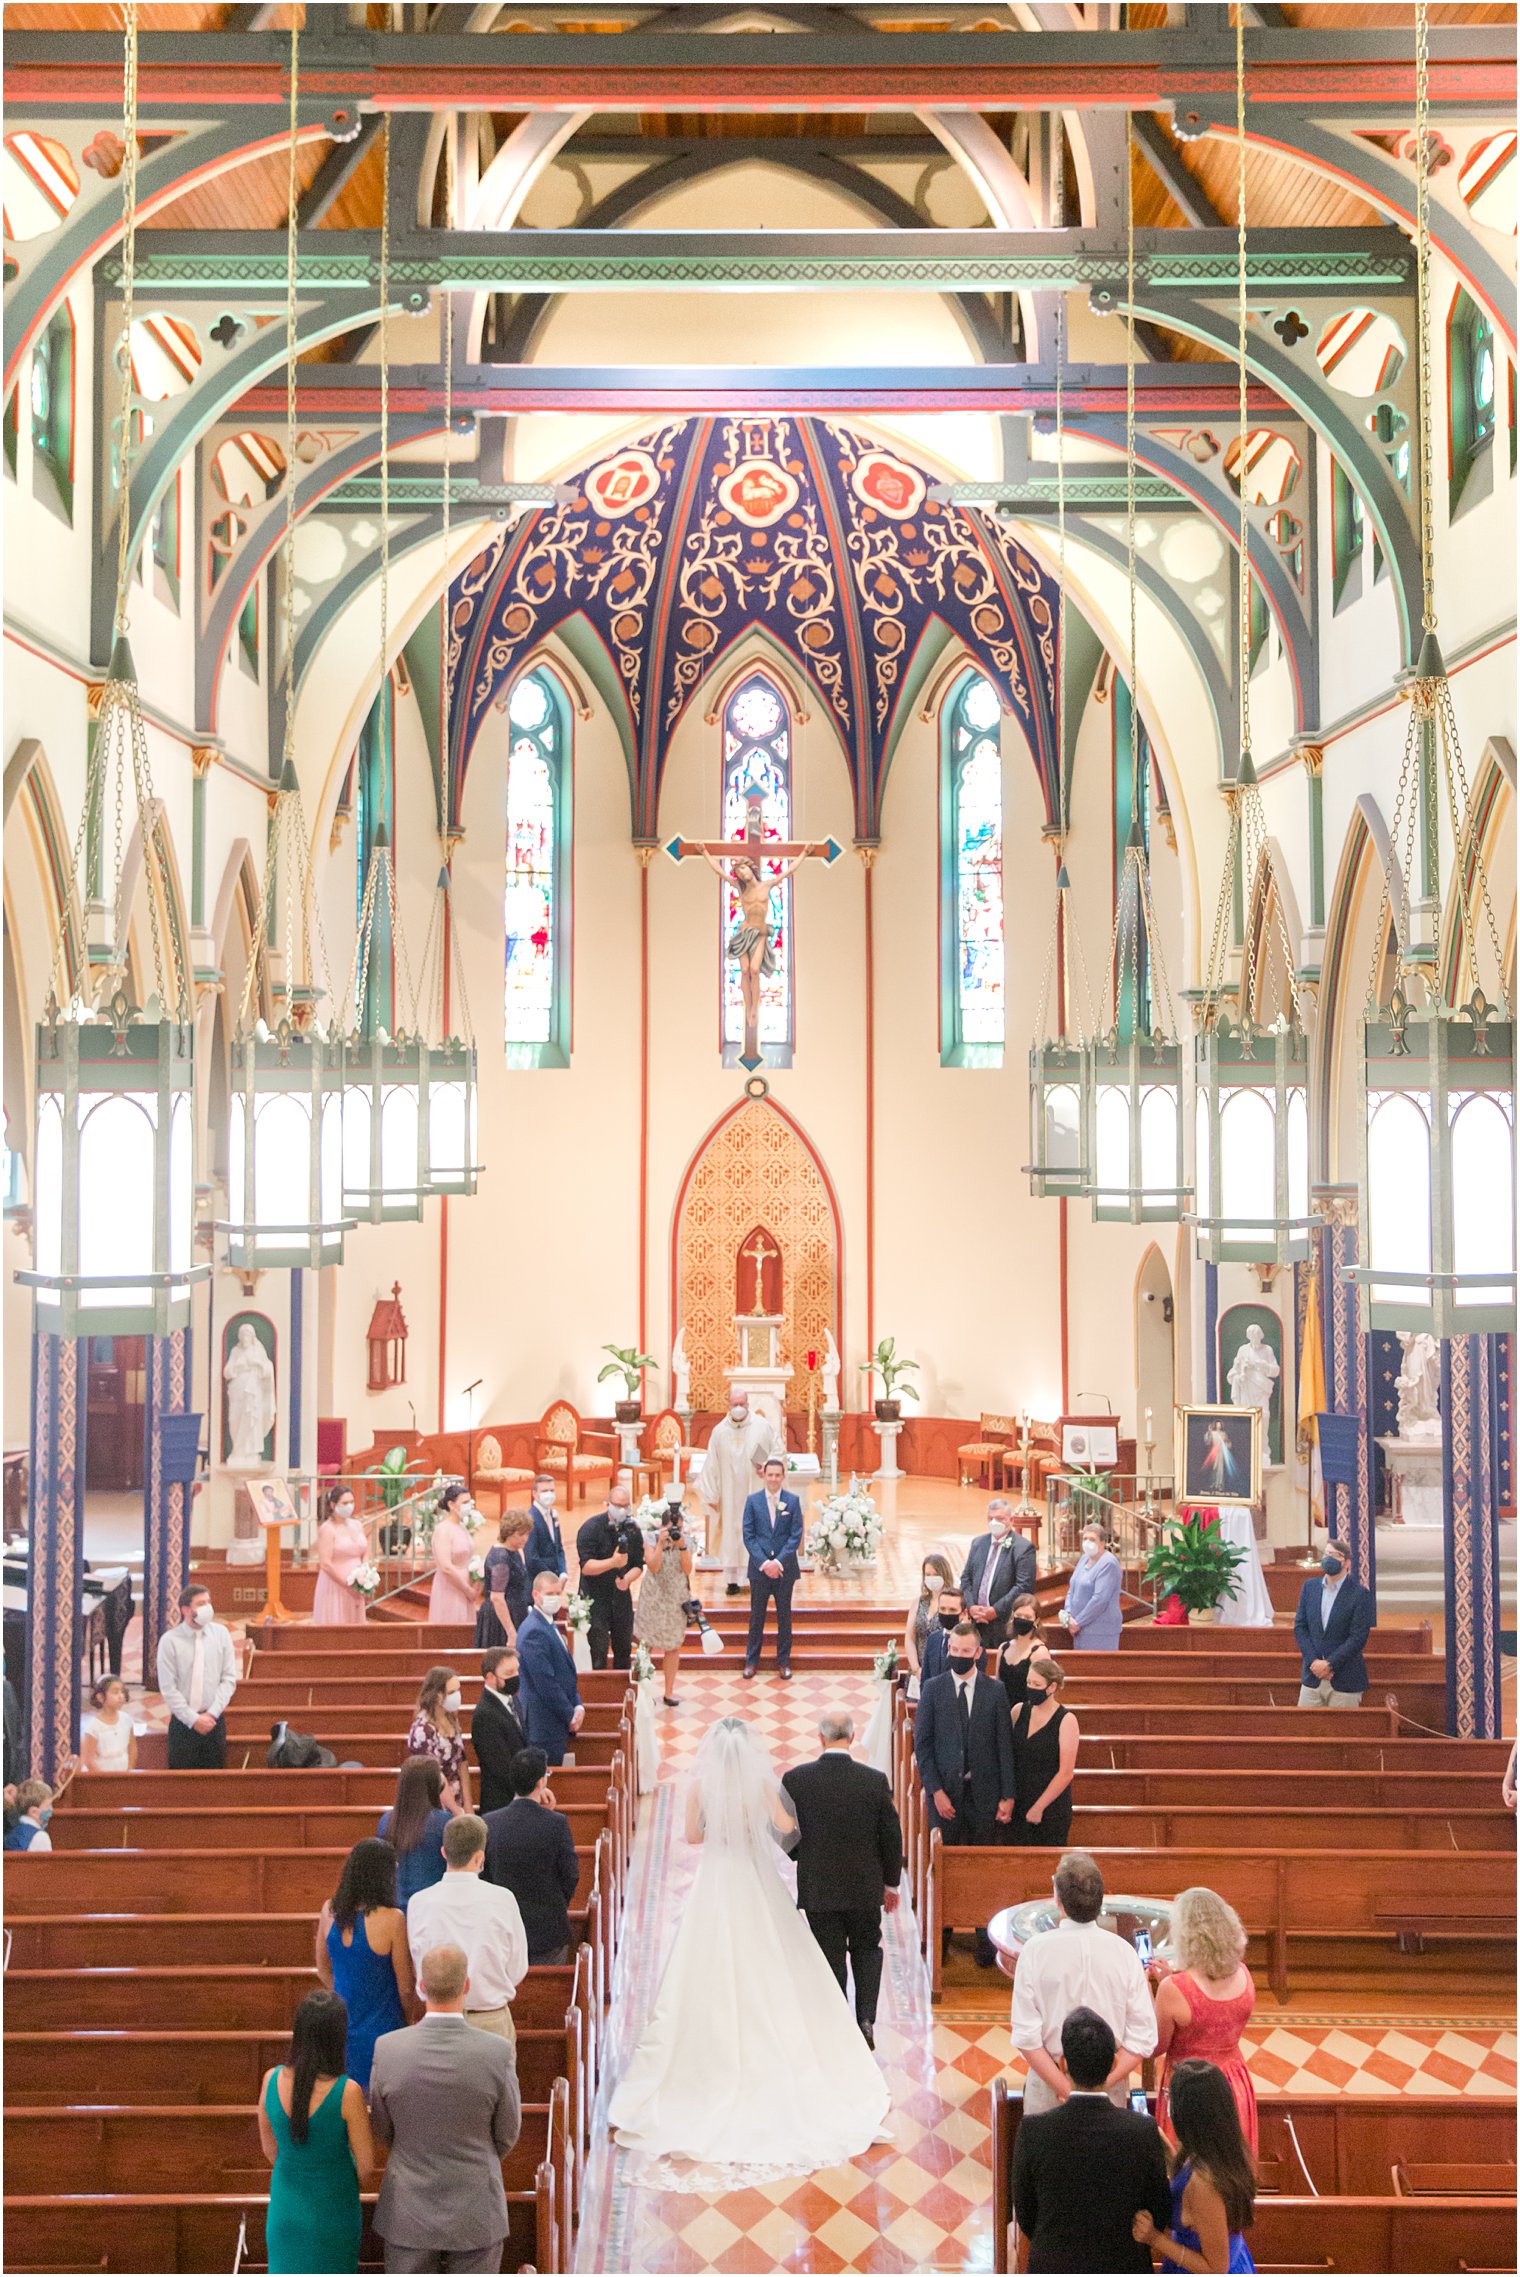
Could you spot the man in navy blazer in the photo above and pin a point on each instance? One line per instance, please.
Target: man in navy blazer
(772, 1536)
(544, 1550)
(548, 1696)
(1331, 1628)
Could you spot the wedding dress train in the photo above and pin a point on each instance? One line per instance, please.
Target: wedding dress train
(751, 2062)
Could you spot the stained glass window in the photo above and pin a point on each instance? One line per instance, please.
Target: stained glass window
(1474, 398)
(536, 991)
(757, 760)
(974, 1024)
(52, 401)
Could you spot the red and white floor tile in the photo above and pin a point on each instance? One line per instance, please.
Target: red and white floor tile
(924, 2200)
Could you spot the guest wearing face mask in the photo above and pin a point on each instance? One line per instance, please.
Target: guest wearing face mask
(28, 1830)
(197, 1675)
(999, 1567)
(545, 1551)
(609, 1551)
(1023, 1642)
(948, 1616)
(437, 1731)
(505, 1600)
(1092, 1612)
(1331, 1628)
(496, 1731)
(963, 1745)
(453, 1592)
(549, 1697)
(938, 1575)
(1046, 1737)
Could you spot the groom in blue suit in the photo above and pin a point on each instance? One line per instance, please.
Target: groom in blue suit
(772, 1536)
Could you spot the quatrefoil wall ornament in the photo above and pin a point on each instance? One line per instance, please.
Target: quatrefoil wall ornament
(227, 331)
(1290, 328)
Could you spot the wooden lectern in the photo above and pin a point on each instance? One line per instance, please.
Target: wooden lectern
(274, 1605)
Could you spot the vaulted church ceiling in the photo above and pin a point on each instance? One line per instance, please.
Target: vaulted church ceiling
(673, 547)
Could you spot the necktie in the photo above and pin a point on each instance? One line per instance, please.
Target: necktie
(990, 1577)
(197, 1693)
(965, 1693)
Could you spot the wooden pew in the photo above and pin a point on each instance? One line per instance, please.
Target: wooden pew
(1282, 1896)
(1387, 1639)
(175, 1881)
(1181, 1826)
(374, 1788)
(248, 1826)
(1338, 2151)
(377, 1742)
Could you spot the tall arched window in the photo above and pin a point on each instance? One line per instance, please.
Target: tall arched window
(537, 973)
(52, 390)
(1474, 395)
(972, 1022)
(757, 759)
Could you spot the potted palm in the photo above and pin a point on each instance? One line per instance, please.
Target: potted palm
(885, 1363)
(1195, 1565)
(628, 1363)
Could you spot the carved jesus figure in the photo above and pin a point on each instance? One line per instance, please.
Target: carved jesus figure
(752, 943)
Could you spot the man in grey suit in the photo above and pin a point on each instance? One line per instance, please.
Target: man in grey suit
(444, 2101)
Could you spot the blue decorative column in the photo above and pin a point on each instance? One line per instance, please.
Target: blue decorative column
(166, 1499)
(1346, 1373)
(1469, 1412)
(54, 1629)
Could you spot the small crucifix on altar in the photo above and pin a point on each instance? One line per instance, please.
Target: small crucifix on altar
(752, 944)
(759, 1256)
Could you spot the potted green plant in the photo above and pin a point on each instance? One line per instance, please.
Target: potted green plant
(629, 1363)
(1194, 1564)
(885, 1364)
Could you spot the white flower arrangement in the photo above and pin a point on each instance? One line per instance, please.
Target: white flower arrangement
(641, 1668)
(650, 1514)
(477, 1568)
(848, 1529)
(366, 1582)
(577, 1611)
(884, 1666)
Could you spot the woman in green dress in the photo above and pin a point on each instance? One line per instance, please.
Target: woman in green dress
(314, 2127)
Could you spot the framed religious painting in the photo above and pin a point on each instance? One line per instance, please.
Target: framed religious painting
(1218, 1456)
(273, 1502)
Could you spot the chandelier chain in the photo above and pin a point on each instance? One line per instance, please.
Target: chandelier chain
(1422, 303)
(1243, 667)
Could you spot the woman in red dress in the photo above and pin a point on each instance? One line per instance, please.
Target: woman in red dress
(1205, 2004)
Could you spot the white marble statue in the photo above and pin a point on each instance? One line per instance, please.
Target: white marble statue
(249, 1377)
(1253, 1378)
(729, 1475)
(831, 1376)
(680, 1372)
(1419, 1386)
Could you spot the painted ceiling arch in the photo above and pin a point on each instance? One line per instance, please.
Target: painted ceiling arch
(672, 546)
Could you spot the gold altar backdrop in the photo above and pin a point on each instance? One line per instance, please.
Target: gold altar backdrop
(754, 1168)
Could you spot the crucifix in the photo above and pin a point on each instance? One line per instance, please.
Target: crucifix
(758, 1252)
(752, 943)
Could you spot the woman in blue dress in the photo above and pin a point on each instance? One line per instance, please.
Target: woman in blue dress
(1213, 2178)
(362, 1952)
(1092, 1611)
(414, 1827)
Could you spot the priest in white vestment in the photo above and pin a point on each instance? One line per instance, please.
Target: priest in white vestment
(729, 1475)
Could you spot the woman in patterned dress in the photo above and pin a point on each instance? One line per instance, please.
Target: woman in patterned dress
(436, 1731)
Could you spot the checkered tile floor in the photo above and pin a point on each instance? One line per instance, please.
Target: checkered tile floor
(924, 2200)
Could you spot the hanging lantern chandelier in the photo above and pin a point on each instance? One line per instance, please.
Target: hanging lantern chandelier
(1059, 1063)
(1436, 1179)
(284, 1127)
(1251, 1098)
(113, 1184)
(1133, 1093)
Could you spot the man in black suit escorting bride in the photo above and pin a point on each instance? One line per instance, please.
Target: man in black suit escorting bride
(849, 1859)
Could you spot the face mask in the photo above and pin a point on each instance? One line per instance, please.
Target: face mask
(203, 1616)
(1328, 1564)
(963, 1662)
(948, 1620)
(1093, 1549)
(43, 1814)
(620, 1511)
(1037, 1696)
(1023, 1628)
(546, 1498)
(549, 1606)
(996, 1528)
(453, 1701)
(738, 1415)
(510, 1683)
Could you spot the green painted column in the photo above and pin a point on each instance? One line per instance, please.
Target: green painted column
(1313, 757)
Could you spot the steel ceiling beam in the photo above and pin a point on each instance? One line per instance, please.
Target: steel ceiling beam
(1356, 68)
(251, 263)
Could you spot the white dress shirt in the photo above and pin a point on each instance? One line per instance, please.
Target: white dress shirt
(1329, 1589)
(179, 1649)
(1079, 1965)
(484, 1921)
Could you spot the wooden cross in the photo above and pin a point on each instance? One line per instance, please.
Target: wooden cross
(754, 848)
(758, 1251)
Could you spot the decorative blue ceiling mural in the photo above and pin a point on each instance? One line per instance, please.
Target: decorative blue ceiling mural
(676, 545)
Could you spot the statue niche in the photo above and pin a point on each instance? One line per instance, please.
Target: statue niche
(757, 1275)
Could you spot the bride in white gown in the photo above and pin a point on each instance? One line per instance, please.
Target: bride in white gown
(751, 2060)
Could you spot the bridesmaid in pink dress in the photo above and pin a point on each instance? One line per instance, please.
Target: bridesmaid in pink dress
(342, 1547)
(1203, 2007)
(453, 1597)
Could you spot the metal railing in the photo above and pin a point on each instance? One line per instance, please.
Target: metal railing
(401, 1543)
(1132, 1511)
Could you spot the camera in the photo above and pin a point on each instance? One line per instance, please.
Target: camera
(696, 1618)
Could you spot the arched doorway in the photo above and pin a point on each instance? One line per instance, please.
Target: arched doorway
(754, 1168)
(1155, 1360)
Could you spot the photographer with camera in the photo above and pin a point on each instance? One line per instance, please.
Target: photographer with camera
(661, 1619)
(610, 1548)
